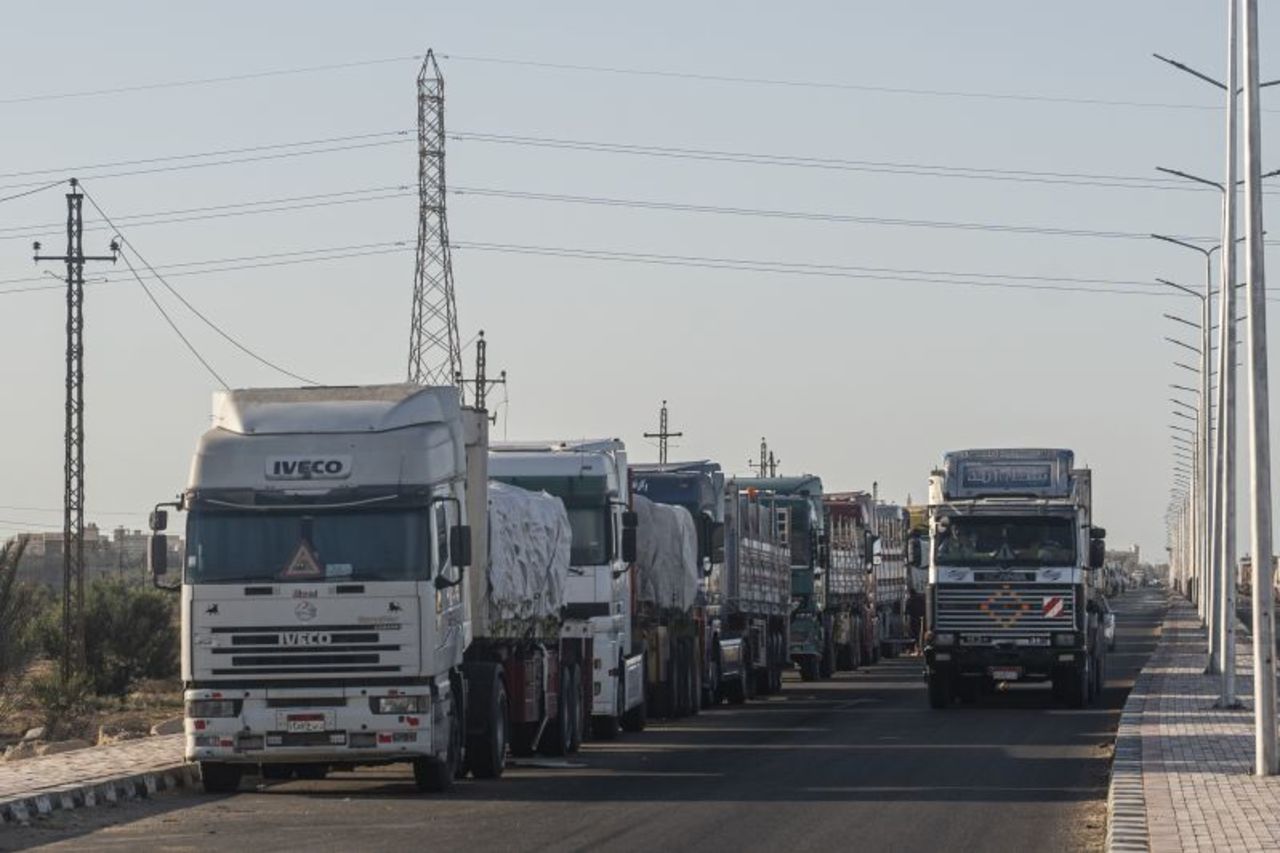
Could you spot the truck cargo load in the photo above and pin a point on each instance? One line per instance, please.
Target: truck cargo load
(528, 562)
(666, 555)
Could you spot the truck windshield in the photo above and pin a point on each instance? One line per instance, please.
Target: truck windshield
(590, 546)
(232, 547)
(975, 541)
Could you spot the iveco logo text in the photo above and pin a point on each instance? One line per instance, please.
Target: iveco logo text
(308, 467)
(305, 638)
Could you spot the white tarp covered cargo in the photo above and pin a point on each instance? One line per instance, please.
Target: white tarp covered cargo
(666, 554)
(529, 538)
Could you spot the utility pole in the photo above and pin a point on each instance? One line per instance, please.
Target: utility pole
(482, 383)
(1264, 664)
(435, 355)
(73, 637)
(663, 434)
(763, 464)
(773, 465)
(1226, 485)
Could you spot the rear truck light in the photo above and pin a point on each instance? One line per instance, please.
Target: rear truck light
(399, 704)
(362, 740)
(1066, 658)
(944, 638)
(1067, 638)
(275, 740)
(213, 708)
(206, 740)
(199, 725)
(338, 738)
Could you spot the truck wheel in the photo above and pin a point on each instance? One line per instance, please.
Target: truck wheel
(939, 691)
(431, 774)
(712, 695)
(809, 668)
(575, 708)
(557, 736)
(487, 748)
(220, 778)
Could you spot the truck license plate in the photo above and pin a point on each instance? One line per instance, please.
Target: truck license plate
(304, 723)
(1006, 673)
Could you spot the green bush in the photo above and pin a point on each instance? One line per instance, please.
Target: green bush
(20, 605)
(130, 634)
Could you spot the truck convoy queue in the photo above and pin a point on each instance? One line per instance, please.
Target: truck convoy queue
(368, 580)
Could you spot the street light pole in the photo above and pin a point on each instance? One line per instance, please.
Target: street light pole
(1225, 483)
(1264, 664)
(1203, 491)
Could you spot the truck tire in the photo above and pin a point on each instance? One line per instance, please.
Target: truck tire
(711, 692)
(939, 691)
(486, 753)
(1076, 685)
(575, 708)
(430, 774)
(809, 668)
(558, 735)
(219, 778)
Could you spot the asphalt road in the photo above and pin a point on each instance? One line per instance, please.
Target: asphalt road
(856, 762)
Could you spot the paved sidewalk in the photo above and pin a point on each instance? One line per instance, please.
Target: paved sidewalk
(86, 777)
(1181, 779)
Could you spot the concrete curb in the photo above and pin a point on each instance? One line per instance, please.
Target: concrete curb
(1126, 799)
(126, 787)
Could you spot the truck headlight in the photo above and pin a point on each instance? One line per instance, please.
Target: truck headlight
(399, 704)
(944, 638)
(1066, 639)
(213, 708)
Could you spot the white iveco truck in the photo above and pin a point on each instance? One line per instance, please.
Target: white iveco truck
(1011, 593)
(324, 611)
(590, 477)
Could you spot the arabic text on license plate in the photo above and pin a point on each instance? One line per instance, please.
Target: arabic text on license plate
(1005, 674)
(306, 725)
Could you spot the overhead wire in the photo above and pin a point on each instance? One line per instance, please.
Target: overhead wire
(208, 322)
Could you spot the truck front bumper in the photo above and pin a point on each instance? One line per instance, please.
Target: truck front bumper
(1035, 663)
(277, 730)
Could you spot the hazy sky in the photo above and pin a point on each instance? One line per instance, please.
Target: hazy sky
(856, 375)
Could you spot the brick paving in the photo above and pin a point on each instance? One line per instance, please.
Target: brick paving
(1182, 780)
(38, 785)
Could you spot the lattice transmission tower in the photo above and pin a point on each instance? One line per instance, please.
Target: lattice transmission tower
(435, 356)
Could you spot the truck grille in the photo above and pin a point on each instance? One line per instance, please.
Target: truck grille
(315, 649)
(1004, 611)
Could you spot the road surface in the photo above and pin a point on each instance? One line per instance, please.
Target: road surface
(856, 762)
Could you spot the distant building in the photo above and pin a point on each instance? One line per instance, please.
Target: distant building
(122, 553)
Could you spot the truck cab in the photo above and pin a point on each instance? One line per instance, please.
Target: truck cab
(591, 479)
(324, 618)
(1011, 557)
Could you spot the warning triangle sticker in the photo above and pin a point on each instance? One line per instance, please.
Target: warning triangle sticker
(303, 564)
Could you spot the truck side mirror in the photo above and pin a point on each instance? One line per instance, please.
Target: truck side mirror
(460, 545)
(158, 520)
(717, 542)
(158, 553)
(1097, 553)
(1097, 533)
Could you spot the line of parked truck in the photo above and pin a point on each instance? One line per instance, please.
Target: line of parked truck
(368, 579)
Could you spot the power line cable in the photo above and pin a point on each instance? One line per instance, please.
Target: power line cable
(220, 152)
(205, 81)
(172, 325)
(820, 84)
(33, 191)
(212, 325)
